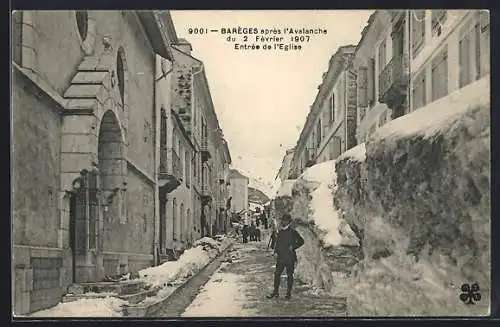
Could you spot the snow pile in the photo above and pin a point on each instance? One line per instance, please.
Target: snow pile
(190, 261)
(357, 153)
(286, 188)
(323, 212)
(103, 307)
(421, 206)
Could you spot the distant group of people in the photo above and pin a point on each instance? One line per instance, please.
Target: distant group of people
(253, 232)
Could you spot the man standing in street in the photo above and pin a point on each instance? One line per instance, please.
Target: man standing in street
(287, 241)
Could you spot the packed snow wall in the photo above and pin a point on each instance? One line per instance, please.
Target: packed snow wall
(420, 205)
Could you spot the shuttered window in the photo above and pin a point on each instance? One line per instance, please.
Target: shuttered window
(382, 56)
(471, 54)
(332, 108)
(17, 27)
(418, 91)
(440, 75)
(417, 31)
(371, 82)
(362, 82)
(484, 42)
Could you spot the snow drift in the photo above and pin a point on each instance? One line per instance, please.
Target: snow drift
(420, 204)
(400, 223)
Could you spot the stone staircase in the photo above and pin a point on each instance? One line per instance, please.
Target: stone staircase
(132, 291)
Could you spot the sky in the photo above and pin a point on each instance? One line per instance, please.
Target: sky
(262, 97)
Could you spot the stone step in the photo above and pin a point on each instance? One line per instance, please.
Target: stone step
(120, 288)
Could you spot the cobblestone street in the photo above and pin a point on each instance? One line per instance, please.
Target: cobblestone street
(240, 289)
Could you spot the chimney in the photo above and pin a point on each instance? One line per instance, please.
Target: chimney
(184, 46)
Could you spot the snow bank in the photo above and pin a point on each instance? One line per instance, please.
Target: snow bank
(104, 307)
(357, 153)
(323, 212)
(190, 262)
(421, 206)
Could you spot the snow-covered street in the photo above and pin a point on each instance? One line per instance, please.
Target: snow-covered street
(239, 289)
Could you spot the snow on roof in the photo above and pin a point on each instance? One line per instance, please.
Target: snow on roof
(102, 307)
(357, 153)
(286, 188)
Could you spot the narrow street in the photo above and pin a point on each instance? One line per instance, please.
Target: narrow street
(239, 289)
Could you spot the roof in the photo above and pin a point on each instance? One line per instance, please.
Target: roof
(233, 173)
(160, 30)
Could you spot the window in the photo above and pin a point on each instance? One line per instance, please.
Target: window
(437, 18)
(362, 87)
(418, 91)
(340, 97)
(163, 129)
(332, 108)
(484, 43)
(82, 23)
(120, 72)
(318, 133)
(382, 56)
(181, 230)
(187, 159)
(17, 27)
(417, 31)
(174, 219)
(440, 75)
(371, 82)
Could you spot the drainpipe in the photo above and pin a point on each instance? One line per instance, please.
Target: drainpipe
(157, 105)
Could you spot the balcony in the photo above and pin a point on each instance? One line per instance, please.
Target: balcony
(205, 152)
(170, 169)
(393, 81)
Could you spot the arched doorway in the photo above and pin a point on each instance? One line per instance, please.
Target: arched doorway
(113, 168)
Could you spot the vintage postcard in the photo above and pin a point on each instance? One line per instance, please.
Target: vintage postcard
(284, 163)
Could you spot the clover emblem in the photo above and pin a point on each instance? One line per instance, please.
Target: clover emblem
(470, 293)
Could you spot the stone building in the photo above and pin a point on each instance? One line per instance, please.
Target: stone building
(450, 57)
(381, 62)
(85, 144)
(331, 123)
(192, 100)
(239, 193)
(284, 170)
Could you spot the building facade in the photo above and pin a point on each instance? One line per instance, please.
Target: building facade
(284, 170)
(331, 123)
(239, 193)
(450, 58)
(381, 62)
(84, 148)
(107, 162)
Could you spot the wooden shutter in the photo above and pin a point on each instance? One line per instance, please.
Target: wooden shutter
(484, 40)
(371, 81)
(362, 86)
(463, 59)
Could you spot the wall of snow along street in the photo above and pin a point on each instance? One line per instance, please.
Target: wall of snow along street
(420, 204)
(407, 221)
